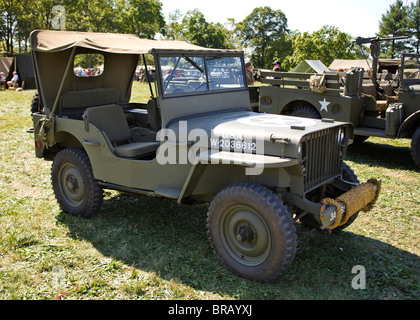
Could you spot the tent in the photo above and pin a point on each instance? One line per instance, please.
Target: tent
(5, 64)
(348, 64)
(22, 64)
(311, 66)
(24, 67)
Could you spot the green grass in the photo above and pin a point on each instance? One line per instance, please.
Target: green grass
(149, 248)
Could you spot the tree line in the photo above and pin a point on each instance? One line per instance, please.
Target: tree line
(264, 33)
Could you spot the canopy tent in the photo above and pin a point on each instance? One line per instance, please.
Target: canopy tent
(23, 65)
(5, 64)
(311, 66)
(385, 66)
(25, 69)
(348, 64)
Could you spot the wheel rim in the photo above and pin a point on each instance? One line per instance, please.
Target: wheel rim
(72, 185)
(245, 235)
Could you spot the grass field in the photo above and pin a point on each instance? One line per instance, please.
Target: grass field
(149, 248)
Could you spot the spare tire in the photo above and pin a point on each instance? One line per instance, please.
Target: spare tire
(36, 103)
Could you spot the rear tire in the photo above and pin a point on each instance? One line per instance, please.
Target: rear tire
(75, 188)
(251, 232)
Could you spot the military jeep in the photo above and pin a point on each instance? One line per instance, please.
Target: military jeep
(196, 139)
(377, 104)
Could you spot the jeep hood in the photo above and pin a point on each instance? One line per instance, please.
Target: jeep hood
(278, 135)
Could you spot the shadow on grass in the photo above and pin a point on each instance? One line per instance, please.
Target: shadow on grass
(170, 240)
(381, 155)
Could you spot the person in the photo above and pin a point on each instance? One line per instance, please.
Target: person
(2, 80)
(249, 74)
(277, 68)
(14, 81)
(277, 64)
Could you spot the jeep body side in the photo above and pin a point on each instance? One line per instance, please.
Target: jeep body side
(196, 139)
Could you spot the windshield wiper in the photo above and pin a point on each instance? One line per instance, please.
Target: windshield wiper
(193, 63)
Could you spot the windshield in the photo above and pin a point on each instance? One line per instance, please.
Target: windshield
(411, 67)
(198, 74)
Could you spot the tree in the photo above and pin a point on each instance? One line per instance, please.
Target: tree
(233, 34)
(141, 17)
(91, 15)
(414, 25)
(10, 12)
(394, 23)
(326, 44)
(261, 30)
(279, 50)
(196, 30)
(174, 28)
(19, 18)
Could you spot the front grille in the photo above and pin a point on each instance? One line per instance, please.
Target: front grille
(322, 156)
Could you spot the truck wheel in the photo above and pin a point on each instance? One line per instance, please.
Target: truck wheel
(75, 188)
(415, 147)
(306, 112)
(251, 232)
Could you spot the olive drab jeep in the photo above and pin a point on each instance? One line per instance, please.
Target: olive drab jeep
(196, 139)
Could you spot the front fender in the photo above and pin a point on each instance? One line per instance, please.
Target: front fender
(409, 125)
(254, 165)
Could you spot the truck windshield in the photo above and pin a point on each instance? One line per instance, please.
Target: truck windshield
(198, 74)
(412, 67)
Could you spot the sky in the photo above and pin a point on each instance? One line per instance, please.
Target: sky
(359, 18)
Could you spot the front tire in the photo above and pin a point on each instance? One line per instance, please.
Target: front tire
(251, 232)
(415, 147)
(75, 188)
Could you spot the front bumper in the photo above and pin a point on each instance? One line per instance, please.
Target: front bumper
(336, 212)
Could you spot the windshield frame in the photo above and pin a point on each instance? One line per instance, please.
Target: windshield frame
(210, 87)
(404, 65)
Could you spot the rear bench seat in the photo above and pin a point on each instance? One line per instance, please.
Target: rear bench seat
(74, 103)
(100, 107)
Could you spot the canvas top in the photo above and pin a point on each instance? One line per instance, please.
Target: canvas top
(55, 41)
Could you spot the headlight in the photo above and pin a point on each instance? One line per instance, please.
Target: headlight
(299, 150)
(341, 136)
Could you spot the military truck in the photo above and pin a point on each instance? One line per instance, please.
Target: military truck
(195, 140)
(380, 105)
